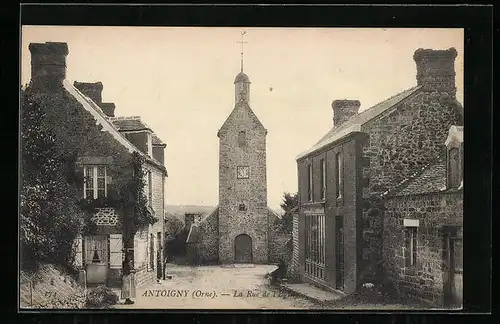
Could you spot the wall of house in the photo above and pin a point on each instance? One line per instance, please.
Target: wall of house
(158, 205)
(434, 210)
(348, 206)
(399, 143)
(251, 191)
(144, 274)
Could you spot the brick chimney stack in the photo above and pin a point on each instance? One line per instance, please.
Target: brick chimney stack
(48, 63)
(108, 108)
(436, 70)
(91, 90)
(343, 110)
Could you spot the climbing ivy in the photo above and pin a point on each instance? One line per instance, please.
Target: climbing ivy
(49, 216)
(55, 133)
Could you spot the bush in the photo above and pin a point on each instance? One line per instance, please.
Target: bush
(101, 297)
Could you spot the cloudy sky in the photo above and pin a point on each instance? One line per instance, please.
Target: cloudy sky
(180, 81)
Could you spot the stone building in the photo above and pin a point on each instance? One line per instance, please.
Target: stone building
(238, 229)
(366, 153)
(423, 229)
(107, 147)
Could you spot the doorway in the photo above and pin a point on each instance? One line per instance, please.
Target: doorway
(96, 258)
(450, 298)
(243, 249)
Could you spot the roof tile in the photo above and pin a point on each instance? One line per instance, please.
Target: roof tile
(353, 124)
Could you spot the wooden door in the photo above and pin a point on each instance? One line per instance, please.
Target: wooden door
(243, 249)
(449, 288)
(339, 253)
(97, 258)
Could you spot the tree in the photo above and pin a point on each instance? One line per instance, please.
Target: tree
(50, 219)
(173, 226)
(290, 201)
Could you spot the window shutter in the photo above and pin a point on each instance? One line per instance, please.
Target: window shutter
(115, 251)
(79, 251)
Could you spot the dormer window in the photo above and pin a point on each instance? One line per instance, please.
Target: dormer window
(94, 186)
(454, 177)
(454, 157)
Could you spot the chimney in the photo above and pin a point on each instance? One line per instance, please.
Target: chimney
(48, 63)
(91, 90)
(343, 110)
(108, 108)
(436, 70)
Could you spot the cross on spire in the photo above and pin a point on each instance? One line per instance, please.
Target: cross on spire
(242, 42)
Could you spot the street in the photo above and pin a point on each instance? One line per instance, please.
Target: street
(216, 287)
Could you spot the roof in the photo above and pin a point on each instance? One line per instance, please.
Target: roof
(193, 236)
(431, 179)
(252, 115)
(354, 123)
(132, 123)
(241, 77)
(157, 141)
(194, 230)
(103, 120)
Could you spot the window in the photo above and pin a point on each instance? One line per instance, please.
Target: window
(309, 183)
(323, 179)
(315, 245)
(454, 168)
(242, 172)
(94, 185)
(150, 188)
(411, 246)
(339, 175)
(242, 138)
(242, 207)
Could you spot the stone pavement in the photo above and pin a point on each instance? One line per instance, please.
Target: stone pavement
(217, 287)
(313, 293)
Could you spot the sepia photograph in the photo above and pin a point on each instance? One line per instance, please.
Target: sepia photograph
(253, 168)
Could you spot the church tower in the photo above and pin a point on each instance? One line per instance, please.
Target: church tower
(243, 212)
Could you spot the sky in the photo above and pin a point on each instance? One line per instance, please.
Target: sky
(180, 81)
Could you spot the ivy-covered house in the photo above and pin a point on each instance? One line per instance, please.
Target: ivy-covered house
(119, 171)
(338, 232)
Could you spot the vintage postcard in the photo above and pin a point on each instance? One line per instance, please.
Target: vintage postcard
(241, 168)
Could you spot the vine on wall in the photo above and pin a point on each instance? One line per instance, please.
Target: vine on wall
(55, 132)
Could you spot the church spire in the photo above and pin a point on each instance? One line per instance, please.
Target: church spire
(242, 42)
(242, 83)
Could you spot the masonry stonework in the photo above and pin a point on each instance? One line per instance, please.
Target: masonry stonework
(435, 211)
(250, 192)
(400, 143)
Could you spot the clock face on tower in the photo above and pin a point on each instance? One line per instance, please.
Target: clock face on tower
(242, 172)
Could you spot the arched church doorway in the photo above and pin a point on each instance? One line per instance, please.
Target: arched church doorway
(243, 249)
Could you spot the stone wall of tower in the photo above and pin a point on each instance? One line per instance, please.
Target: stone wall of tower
(233, 191)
